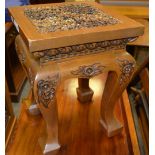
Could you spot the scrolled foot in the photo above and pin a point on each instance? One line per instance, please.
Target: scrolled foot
(52, 148)
(116, 83)
(113, 129)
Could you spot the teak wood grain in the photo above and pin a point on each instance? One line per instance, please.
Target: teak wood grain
(45, 79)
(144, 39)
(37, 41)
(104, 53)
(140, 12)
(80, 130)
(117, 62)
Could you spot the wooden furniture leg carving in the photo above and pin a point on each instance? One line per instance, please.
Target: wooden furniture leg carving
(30, 67)
(45, 86)
(84, 73)
(84, 92)
(43, 80)
(116, 82)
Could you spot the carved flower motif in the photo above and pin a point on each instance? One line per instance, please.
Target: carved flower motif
(46, 91)
(88, 71)
(126, 68)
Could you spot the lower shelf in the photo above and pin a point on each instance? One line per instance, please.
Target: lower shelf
(79, 127)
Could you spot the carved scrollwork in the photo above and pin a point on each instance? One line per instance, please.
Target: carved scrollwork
(127, 68)
(88, 71)
(81, 49)
(46, 90)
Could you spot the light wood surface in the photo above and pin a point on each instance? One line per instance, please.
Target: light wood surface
(45, 79)
(37, 41)
(141, 15)
(144, 39)
(132, 11)
(80, 132)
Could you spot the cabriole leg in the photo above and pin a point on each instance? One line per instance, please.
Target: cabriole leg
(45, 96)
(116, 82)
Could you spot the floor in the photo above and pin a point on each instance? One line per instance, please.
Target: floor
(80, 132)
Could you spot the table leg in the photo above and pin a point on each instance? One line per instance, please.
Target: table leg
(116, 83)
(84, 92)
(45, 96)
(43, 81)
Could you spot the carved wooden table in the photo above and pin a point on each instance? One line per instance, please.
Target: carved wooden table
(68, 40)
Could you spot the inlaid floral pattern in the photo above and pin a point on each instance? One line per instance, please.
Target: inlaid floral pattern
(68, 17)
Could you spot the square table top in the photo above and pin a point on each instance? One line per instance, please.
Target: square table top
(54, 25)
